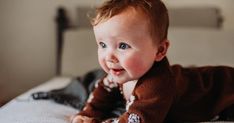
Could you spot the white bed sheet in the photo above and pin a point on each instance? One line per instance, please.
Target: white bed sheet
(24, 109)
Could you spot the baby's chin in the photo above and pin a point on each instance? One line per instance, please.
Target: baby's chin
(122, 80)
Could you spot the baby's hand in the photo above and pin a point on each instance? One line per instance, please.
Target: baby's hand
(82, 119)
(109, 82)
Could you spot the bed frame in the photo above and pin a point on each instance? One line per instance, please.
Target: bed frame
(210, 17)
(62, 23)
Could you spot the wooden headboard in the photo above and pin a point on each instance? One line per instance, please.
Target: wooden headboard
(176, 15)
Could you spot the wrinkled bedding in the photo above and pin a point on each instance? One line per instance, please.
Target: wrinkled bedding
(24, 109)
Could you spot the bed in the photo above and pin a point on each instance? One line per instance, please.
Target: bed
(76, 55)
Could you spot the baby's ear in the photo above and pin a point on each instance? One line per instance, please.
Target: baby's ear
(162, 50)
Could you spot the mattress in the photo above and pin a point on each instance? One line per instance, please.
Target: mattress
(23, 109)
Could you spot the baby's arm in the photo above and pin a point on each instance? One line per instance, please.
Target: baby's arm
(99, 103)
(150, 102)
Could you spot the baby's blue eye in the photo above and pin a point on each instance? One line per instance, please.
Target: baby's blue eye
(123, 46)
(103, 45)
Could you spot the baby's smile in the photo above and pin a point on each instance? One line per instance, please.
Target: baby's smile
(116, 71)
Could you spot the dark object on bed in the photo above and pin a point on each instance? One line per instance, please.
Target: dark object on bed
(76, 93)
(73, 95)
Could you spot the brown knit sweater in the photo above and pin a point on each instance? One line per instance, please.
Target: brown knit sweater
(168, 93)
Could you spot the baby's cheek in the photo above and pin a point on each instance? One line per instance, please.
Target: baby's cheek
(135, 66)
(102, 63)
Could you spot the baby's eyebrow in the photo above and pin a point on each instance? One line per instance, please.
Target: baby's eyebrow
(123, 39)
(98, 39)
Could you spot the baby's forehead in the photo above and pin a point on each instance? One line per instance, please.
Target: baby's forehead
(140, 12)
(132, 19)
(128, 21)
(148, 18)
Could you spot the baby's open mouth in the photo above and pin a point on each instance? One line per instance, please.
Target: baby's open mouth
(117, 71)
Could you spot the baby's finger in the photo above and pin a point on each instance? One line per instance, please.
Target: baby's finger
(77, 119)
(86, 119)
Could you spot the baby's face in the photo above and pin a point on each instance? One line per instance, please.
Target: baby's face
(125, 48)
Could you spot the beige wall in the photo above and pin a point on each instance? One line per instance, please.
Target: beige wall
(27, 42)
(27, 38)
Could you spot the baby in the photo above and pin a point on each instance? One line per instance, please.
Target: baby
(132, 46)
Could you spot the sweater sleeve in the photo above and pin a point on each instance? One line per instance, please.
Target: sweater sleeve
(101, 101)
(150, 103)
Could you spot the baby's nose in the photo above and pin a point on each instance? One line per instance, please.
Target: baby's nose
(111, 58)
